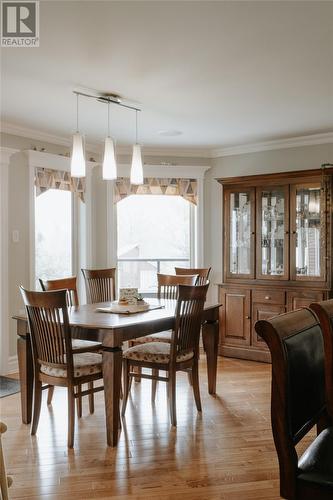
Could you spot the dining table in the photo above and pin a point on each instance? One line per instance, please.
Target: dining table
(112, 330)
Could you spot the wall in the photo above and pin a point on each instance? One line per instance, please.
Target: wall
(282, 160)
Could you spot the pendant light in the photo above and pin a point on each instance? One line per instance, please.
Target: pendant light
(136, 176)
(78, 164)
(109, 162)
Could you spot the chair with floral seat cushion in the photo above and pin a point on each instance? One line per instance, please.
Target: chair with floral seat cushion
(167, 288)
(201, 272)
(69, 284)
(100, 285)
(181, 354)
(54, 360)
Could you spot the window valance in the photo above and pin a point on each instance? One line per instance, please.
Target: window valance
(187, 188)
(46, 178)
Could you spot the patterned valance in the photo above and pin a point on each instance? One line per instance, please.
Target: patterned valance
(187, 188)
(46, 178)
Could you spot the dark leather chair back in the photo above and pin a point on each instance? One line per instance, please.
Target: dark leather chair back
(324, 312)
(298, 385)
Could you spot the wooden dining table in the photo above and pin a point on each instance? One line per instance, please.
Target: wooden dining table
(112, 330)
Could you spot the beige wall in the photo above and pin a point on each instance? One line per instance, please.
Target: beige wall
(306, 157)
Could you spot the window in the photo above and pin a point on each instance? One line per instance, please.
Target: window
(53, 234)
(154, 235)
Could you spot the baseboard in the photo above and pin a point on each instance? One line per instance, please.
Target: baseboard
(12, 366)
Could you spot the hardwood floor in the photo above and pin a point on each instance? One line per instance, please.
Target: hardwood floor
(227, 453)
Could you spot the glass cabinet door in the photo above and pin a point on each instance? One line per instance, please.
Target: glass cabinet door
(272, 232)
(239, 223)
(308, 232)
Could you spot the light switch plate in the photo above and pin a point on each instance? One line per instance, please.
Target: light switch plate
(16, 236)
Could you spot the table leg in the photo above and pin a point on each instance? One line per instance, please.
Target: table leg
(24, 355)
(210, 337)
(112, 361)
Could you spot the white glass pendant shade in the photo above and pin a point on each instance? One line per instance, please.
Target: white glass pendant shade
(109, 162)
(78, 164)
(136, 167)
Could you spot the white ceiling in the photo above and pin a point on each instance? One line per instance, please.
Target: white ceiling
(222, 73)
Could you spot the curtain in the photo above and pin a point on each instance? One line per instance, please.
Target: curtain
(46, 178)
(187, 188)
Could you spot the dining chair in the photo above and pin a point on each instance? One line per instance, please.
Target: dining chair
(167, 288)
(181, 354)
(55, 362)
(298, 403)
(202, 273)
(5, 481)
(78, 345)
(324, 311)
(100, 284)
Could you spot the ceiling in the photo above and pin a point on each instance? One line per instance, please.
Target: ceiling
(221, 73)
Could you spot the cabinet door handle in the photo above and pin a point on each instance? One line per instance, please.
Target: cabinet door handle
(294, 232)
(267, 297)
(247, 317)
(287, 232)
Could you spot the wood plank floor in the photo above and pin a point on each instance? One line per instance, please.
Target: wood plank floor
(225, 453)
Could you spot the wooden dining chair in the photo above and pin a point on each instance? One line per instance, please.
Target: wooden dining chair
(55, 362)
(181, 354)
(68, 284)
(72, 300)
(201, 272)
(167, 288)
(298, 403)
(100, 285)
(324, 311)
(5, 481)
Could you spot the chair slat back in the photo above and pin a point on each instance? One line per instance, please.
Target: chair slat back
(100, 285)
(49, 327)
(202, 273)
(188, 318)
(167, 284)
(68, 284)
(324, 311)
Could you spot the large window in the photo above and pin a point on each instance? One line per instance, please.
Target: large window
(53, 234)
(154, 235)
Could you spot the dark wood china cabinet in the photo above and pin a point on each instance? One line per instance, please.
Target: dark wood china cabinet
(277, 252)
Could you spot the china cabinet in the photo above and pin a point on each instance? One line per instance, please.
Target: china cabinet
(277, 252)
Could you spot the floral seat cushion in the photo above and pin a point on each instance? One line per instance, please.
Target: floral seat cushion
(154, 352)
(85, 363)
(155, 337)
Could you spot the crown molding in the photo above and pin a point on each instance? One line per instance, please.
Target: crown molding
(293, 142)
(37, 135)
(149, 151)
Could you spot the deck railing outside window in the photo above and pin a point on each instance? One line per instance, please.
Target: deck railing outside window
(141, 273)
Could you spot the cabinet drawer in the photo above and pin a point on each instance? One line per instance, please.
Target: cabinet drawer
(299, 299)
(268, 296)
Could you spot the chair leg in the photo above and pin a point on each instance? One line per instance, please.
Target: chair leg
(126, 385)
(154, 372)
(189, 378)
(172, 398)
(50, 392)
(138, 370)
(196, 387)
(91, 398)
(71, 417)
(36, 406)
(79, 401)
